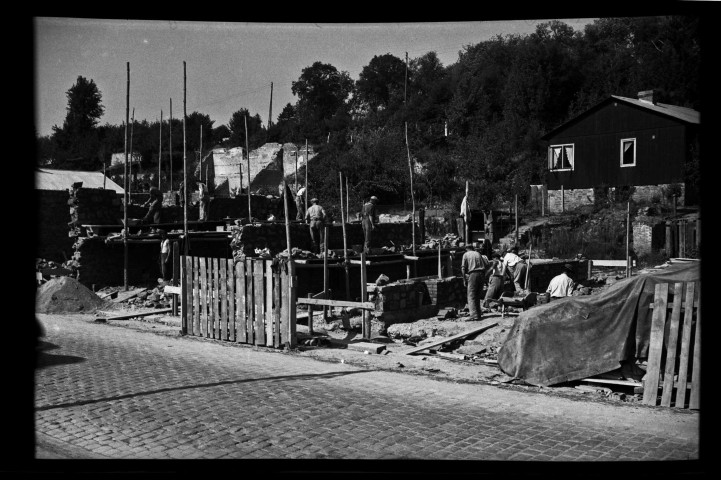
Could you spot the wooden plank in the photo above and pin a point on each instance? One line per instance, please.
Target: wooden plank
(138, 314)
(276, 308)
(483, 325)
(336, 303)
(611, 263)
(685, 346)
(188, 277)
(364, 296)
(184, 294)
(203, 279)
(231, 299)
(223, 298)
(214, 299)
(669, 370)
(249, 305)
(629, 383)
(291, 301)
(269, 302)
(241, 292)
(650, 388)
(259, 302)
(169, 289)
(695, 400)
(284, 305)
(196, 297)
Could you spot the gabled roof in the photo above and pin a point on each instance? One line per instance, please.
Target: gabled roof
(47, 179)
(687, 115)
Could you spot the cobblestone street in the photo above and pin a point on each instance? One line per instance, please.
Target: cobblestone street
(119, 393)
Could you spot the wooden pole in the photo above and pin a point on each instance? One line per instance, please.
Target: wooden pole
(465, 218)
(515, 213)
(132, 124)
(104, 175)
(160, 148)
(170, 144)
(364, 295)
(325, 270)
(247, 153)
(306, 174)
(185, 174)
(296, 172)
(347, 200)
(125, 184)
(200, 168)
(628, 239)
(310, 316)
(287, 220)
(528, 268)
(291, 274)
(413, 197)
(405, 83)
(440, 273)
(270, 110)
(345, 240)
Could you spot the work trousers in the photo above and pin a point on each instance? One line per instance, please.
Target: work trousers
(316, 235)
(367, 234)
(518, 272)
(299, 206)
(164, 267)
(475, 287)
(495, 288)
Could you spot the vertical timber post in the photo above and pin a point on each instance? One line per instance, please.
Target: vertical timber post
(364, 295)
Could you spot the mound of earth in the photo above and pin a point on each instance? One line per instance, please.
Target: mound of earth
(66, 295)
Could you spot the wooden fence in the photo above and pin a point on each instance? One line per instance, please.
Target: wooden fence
(680, 338)
(250, 301)
(683, 237)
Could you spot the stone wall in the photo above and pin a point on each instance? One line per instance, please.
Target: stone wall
(53, 216)
(102, 264)
(570, 200)
(657, 193)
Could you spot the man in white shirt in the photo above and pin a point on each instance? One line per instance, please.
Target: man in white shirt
(562, 285)
(516, 267)
(164, 254)
(473, 268)
(300, 203)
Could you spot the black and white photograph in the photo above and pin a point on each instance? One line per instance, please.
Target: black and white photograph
(370, 245)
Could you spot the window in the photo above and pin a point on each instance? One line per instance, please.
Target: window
(628, 152)
(560, 157)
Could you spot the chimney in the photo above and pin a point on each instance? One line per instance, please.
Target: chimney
(646, 96)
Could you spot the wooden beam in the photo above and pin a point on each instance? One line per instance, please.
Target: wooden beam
(336, 303)
(138, 314)
(483, 325)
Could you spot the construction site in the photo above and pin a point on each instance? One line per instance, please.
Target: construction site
(250, 273)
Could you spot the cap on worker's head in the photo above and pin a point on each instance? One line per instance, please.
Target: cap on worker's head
(568, 267)
(374, 198)
(313, 200)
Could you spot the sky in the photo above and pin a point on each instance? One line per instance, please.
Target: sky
(229, 66)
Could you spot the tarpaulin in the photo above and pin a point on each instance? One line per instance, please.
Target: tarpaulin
(578, 337)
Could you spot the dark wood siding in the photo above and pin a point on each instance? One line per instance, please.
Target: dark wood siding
(660, 148)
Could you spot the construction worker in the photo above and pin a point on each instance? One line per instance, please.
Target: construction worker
(155, 205)
(515, 267)
(315, 217)
(473, 268)
(164, 254)
(494, 275)
(300, 203)
(562, 285)
(489, 225)
(369, 220)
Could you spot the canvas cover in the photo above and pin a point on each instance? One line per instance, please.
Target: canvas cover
(578, 337)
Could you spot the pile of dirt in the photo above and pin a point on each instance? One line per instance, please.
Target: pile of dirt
(66, 295)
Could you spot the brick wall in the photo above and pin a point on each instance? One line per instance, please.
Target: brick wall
(649, 234)
(53, 216)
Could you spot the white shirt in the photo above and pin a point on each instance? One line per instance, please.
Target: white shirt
(165, 246)
(301, 192)
(561, 286)
(511, 259)
(465, 211)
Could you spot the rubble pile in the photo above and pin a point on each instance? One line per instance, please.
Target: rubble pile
(66, 295)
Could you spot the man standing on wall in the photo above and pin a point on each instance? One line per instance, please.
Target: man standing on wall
(155, 205)
(489, 226)
(473, 268)
(515, 266)
(164, 254)
(369, 222)
(300, 203)
(203, 201)
(315, 217)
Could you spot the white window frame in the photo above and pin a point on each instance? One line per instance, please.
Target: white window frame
(634, 152)
(571, 160)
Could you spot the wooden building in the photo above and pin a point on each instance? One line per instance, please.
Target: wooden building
(620, 143)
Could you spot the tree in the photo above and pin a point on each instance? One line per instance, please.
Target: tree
(322, 93)
(256, 132)
(381, 83)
